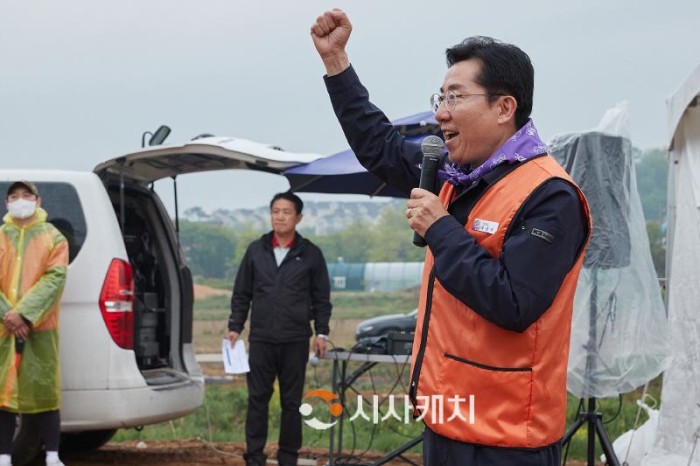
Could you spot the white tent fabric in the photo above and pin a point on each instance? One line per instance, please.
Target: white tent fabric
(678, 432)
(619, 336)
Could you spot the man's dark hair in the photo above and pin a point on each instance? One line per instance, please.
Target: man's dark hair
(505, 69)
(290, 196)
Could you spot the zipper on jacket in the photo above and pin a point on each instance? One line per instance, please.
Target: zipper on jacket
(17, 272)
(484, 366)
(413, 389)
(292, 254)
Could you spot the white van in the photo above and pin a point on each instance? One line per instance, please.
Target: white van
(126, 313)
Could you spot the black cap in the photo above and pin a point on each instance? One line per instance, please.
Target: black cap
(27, 184)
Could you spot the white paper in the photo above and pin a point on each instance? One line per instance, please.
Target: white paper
(235, 359)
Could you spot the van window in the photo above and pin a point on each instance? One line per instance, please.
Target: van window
(61, 202)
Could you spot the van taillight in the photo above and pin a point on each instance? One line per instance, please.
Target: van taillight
(117, 303)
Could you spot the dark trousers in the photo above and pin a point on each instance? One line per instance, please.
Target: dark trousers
(287, 363)
(49, 423)
(442, 451)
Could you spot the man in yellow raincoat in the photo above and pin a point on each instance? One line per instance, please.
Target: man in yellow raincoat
(33, 264)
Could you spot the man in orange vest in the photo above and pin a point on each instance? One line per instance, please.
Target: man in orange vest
(506, 237)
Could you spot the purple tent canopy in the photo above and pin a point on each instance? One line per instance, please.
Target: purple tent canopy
(341, 173)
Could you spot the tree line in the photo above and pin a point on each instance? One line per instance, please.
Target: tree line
(214, 251)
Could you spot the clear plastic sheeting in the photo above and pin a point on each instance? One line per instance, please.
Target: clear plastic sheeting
(619, 337)
(678, 434)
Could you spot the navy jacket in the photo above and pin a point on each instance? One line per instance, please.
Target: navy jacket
(528, 274)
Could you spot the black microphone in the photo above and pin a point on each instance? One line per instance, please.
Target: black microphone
(432, 148)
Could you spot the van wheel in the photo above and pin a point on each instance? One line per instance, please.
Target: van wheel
(75, 442)
(26, 444)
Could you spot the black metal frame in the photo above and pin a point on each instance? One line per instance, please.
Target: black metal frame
(341, 382)
(592, 418)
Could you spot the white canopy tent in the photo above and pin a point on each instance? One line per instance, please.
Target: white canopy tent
(679, 417)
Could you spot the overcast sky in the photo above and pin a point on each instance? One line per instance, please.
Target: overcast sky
(81, 80)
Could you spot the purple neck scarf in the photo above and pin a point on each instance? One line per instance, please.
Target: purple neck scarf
(523, 145)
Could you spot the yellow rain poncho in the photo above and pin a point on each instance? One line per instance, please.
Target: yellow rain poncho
(33, 263)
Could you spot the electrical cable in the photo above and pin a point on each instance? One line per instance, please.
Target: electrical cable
(210, 443)
(355, 457)
(399, 379)
(342, 457)
(318, 385)
(374, 426)
(619, 409)
(380, 402)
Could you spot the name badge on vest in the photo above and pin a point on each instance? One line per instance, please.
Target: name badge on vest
(485, 226)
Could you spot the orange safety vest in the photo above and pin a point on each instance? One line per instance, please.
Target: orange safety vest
(477, 382)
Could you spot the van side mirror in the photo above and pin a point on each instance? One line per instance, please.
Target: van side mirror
(157, 138)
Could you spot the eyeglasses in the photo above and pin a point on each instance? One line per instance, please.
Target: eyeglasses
(450, 98)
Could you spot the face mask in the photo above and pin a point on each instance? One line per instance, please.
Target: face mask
(21, 208)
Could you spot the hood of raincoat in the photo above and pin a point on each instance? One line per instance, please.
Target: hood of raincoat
(40, 216)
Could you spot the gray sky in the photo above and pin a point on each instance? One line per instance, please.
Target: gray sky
(83, 79)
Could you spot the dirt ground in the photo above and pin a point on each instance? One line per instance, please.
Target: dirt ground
(194, 453)
(203, 291)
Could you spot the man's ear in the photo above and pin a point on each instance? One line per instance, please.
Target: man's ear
(506, 107)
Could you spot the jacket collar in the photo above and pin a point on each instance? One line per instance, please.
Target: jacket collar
(296, 243)
(276, 244)
(40, 216)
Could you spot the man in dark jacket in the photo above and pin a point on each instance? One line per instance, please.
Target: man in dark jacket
(283, 280)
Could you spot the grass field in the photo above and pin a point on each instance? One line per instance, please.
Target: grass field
(222, 418)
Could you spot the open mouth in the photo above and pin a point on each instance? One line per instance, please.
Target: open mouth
(449, 134)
